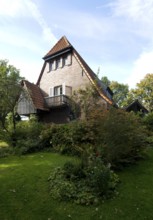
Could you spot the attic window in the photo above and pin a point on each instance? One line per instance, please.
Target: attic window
(59, 63)
(67, 60)
(50, 66)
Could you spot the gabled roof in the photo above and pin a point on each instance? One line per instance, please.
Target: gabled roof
(136, 106)
(36, 95)
(63, 46)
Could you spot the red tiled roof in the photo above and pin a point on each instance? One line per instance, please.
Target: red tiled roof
(36, 95)
(62, 44)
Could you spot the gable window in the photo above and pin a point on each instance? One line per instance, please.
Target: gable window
(58, 63)
(50, 66)
(67, 60)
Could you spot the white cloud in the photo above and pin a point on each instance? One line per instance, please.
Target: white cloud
(142, 66)
(10, 8)
(26, 8)
(36, 14)
(138, 10)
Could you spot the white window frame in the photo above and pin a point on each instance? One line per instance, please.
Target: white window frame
(58, 90)
(62, 90)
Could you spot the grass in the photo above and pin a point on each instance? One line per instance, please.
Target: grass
(24, 192)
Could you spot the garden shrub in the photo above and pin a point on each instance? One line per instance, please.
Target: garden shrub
(82, 185)
(28, 137)
(117, 136)
(100, 178)
(68, 138)
(148, 121)
(5, 151)
(120, 136)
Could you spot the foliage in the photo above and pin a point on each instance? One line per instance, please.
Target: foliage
(120, 136)
(144, 91)
(120, 91)
(106, 81)
(5, 151)
(83, 100)
(9, 92)
(148, 121)
(68, 138)
(28, 136)
(82, 185)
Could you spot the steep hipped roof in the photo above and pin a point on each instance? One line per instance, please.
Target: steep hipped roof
(35, 94)
(62, 46)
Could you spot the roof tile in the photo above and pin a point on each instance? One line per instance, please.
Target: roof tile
(63, 43)
(36, 95)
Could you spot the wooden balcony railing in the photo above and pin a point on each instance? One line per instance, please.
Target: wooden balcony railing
(56, 101)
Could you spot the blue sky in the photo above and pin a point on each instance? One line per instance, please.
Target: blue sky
(115, 35)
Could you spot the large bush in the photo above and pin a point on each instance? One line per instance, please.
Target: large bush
(120, 136)
(115, 135)
(68, 138)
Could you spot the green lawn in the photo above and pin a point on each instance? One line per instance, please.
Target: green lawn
(24, 192)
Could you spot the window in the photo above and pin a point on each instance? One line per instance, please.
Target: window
(58, 63)
(58, 90)
(67, 60)
(50, 67)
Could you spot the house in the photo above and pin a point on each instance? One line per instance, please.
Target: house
(64, 71)
(136, 107)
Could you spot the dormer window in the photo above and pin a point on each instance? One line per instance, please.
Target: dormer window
(60, 62)
(67, 60)
(50, 66)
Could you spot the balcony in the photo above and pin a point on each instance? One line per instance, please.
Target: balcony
(57, 101)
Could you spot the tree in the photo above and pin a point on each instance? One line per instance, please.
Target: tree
(106, 81)
(144, 91)
(83, 101)
(119, 90)
(10, 90)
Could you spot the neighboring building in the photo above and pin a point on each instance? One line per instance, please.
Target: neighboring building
(136, 107)
(64, 71)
